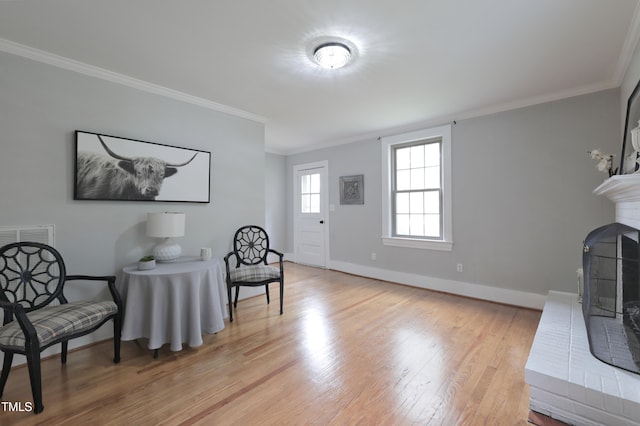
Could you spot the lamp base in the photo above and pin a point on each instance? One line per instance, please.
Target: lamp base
(167, 251)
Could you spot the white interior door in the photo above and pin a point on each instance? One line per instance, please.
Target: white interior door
(311, 227)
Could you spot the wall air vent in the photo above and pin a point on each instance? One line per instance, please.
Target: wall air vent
(38, 233)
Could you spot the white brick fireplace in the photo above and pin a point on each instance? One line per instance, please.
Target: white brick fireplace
(566, 382)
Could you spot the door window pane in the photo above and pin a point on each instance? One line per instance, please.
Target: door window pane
(306, 203)
(315, 203)
(315, 183)
(310, 193)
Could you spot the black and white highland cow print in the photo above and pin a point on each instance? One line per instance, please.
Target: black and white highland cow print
(112, 176)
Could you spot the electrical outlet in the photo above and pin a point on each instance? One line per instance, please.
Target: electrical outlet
(459, 267)
(373, 256)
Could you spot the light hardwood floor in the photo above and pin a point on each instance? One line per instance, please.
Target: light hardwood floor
(348, 350)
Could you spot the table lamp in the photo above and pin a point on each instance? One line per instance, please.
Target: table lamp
(166, 225)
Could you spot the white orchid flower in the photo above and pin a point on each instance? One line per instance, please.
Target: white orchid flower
(604, 165)
(605, 161)
(596, 154)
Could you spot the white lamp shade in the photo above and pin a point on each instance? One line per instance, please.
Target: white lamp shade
(165, 224)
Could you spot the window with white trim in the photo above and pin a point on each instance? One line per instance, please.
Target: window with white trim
(417, 189)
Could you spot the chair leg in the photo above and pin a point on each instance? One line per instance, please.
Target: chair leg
(6, 368)
(117, 332)
(266, 286)
(230, 304)
(281, 294)
(33, 362)
(63, 352)
(235, 303)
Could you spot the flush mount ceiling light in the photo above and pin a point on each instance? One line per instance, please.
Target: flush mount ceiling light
(332, 55)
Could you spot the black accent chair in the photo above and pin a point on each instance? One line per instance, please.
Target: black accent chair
(250, 249)
(32, 278)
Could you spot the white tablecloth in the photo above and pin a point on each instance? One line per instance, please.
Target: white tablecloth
(174, 303)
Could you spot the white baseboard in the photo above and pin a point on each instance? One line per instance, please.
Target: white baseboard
(476, 291)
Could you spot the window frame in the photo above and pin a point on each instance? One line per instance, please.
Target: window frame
(395, 191)
(388, 144)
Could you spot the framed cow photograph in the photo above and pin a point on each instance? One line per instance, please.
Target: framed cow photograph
(115, 168)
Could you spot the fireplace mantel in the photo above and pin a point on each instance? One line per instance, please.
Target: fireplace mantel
(620, 188)
(624, 191)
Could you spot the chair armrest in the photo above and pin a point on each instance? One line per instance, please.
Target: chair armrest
(226, 262)
(276, 252)
(111, 283)
(280, 255)
(90, 278)
(9, 309)
(16, 310)
(8, 305)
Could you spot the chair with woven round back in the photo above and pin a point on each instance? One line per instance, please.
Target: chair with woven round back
(251, 268)
(37, 314)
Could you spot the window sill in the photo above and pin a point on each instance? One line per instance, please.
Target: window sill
(419, 244)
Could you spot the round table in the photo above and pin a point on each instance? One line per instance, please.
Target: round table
(174, 303)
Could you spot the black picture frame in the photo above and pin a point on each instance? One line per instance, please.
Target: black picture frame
(352, 189)
(630, 122)
(113, 168)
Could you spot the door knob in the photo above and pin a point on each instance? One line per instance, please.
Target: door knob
(322, 221)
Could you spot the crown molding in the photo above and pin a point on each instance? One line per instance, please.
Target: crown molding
(628, 48)
(18, 49)
(463, 115)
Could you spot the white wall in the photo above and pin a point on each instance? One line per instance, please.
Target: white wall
(40, 108)
(522, 201)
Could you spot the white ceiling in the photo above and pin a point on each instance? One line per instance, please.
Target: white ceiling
(420, 62)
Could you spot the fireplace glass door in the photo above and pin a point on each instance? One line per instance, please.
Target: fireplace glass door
(611, 298)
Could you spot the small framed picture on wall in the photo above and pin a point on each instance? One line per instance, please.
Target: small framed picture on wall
(352, 189)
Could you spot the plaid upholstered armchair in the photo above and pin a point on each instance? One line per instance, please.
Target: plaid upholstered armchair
(36, 313)
(250, 250)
